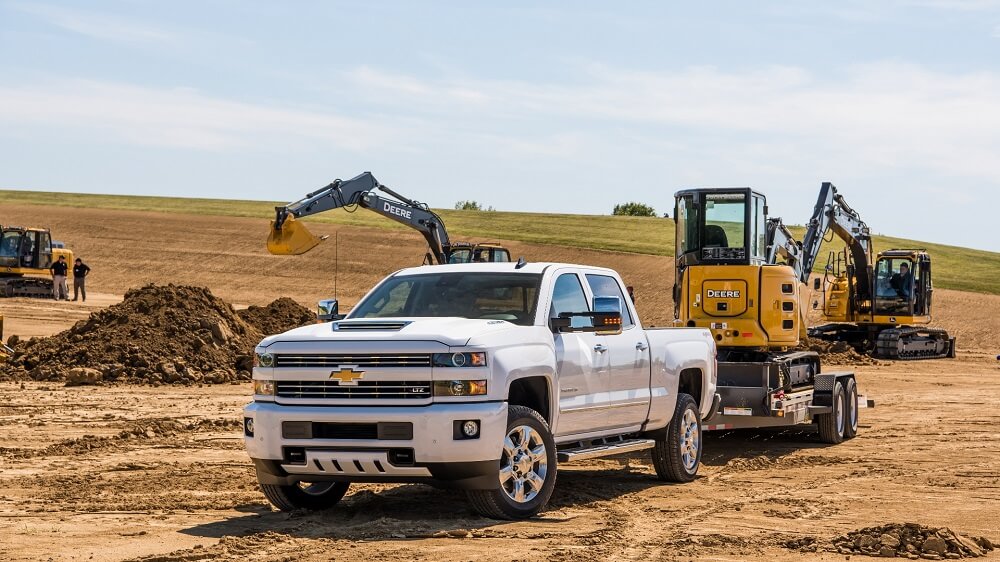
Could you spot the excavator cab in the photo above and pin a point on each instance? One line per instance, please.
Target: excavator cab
(463, 252)
(26, 254)
(721, 226)
(903, 286)
(25, 248)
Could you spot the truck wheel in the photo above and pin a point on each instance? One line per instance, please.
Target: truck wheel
(851, 401)
(832, 425)
(316, 496)
(526, 472)
(677, 454)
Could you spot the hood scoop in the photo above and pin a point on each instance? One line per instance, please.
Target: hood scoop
(369, 326)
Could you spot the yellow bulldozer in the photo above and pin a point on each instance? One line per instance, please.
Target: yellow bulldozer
(26, 254)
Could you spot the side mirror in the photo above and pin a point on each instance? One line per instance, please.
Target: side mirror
(608, 323)
(816, 282)
(327, 310)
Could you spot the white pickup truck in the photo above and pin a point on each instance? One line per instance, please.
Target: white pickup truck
(476, 376)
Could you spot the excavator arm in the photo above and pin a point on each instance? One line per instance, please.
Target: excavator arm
(290, 237)
(781, 243)
(833, 213)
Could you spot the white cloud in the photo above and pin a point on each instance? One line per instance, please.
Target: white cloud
(177, 117)
(97, 25)
(886, 114)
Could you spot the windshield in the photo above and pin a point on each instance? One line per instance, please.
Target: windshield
(492, 296)
(724, 220)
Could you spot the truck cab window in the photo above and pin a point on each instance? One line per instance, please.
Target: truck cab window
(606, 286)
(568, 296)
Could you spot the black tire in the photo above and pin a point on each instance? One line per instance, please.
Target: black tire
(831, 426)
(501, 502)
(316, 496)
(673, 457)
(851, 415)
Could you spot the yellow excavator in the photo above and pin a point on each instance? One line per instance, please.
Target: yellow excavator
(880, 306)
(25, 257)
(288, 236)
(743, 275)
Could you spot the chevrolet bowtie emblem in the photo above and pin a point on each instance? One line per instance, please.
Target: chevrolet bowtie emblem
(347, 375)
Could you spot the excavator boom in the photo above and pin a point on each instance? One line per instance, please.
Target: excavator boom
(288, 236)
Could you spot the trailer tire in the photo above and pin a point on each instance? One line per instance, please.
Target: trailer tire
(677, 453)
(316, 496)
(851, 415)
(831, 426)
(529, 456)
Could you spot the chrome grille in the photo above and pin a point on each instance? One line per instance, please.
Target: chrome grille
(400, 390)
(369, 326)
(368, 360)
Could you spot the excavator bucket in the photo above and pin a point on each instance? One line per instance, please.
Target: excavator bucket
(292, 239)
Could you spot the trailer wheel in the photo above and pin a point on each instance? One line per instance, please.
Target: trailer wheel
(851, 413)
(677, 454)
(315, 496)
(831, 426)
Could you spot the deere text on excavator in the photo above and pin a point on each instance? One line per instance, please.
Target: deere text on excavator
(26, 254)
(290, 237)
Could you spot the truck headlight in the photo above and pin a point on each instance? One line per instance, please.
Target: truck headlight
(263, 388)
(474, 359)
(265, 360)
(460, 388)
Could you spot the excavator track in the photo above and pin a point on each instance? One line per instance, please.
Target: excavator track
(907, 343)
(29, 287)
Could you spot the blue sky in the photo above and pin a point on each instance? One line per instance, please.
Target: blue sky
(525, 106)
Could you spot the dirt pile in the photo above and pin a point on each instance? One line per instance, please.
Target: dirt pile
(157, 334)
(837, 353)
(913, 541)
(279, 316)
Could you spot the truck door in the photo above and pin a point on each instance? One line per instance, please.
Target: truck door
(628, 383)
(582, 362)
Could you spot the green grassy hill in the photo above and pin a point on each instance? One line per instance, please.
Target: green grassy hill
(954, 267)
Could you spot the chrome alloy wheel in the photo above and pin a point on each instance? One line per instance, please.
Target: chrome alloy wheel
(690, 440)
(523, 464)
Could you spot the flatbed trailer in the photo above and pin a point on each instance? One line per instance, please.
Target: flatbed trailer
(758, 395)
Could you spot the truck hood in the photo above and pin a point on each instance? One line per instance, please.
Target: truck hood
(451, 331)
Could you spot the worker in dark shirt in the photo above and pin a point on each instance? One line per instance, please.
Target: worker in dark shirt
(902, 282)
(59, 270)
(80, 272)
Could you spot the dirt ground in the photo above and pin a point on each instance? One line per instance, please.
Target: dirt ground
(159, 473)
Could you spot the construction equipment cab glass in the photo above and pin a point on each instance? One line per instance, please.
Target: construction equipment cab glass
(721, 226)
(902, 283)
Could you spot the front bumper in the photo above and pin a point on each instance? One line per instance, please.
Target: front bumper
(436, 456)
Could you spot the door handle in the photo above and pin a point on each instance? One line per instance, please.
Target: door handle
(641, 346)
(600, 348)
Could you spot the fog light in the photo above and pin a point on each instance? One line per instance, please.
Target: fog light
(248, 426)
(470, 428)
